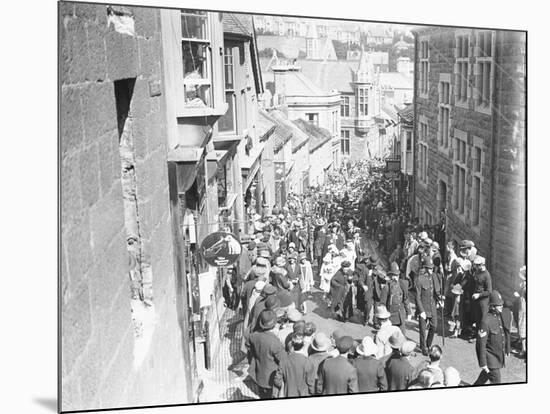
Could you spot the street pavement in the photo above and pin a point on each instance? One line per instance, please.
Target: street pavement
(228, 379)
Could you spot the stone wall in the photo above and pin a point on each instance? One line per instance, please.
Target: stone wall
(500, 218)
(108, 360)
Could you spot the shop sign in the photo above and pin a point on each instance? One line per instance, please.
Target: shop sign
(220, 249)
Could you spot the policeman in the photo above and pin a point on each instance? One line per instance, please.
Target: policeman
(482, 287)
(493, 340)
(428, 294)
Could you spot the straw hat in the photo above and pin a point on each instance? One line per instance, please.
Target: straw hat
(397, 339)
(457, 290)
(479, 260)
(408, 348)
(367, 347)
(320, 342)
(294, 315)
(382, 312)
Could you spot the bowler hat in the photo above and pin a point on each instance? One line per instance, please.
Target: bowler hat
(320, 342)
(397, 339)
(269, 290)
(495, 299)
(267, 320)
(394, 269)
(344, 344)
(373, 259)
(367, 347)
(427, 262)
(272, 302)
(252, 245)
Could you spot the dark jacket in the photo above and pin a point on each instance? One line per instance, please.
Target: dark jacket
(336, 376)
(396, 298)
(266, 355)
(299, 376)
(316, 359)
(338, 289)
(399, 372)
(246, 292)
(280, 281)
(493, 340)
(370, 374)
(481, 283)
(428, 289)
(365, 278)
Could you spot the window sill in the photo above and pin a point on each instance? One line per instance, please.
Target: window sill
(203, 111)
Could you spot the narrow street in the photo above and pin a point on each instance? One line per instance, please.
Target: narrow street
(227, 380)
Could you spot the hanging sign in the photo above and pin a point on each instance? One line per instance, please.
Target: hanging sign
(220, 249)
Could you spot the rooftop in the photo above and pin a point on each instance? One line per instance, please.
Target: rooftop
(240, 24)
(317, 136)
(299, 137)
(282, 133)
(287, 45)
(407, 113)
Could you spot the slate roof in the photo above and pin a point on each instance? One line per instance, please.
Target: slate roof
(281, 134)
(317, 136)
(330, 75)
(265, 125)
(299, 137)
(407, 113)
(240, 24)
(396, 80)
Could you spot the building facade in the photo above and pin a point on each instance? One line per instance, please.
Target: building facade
(469, 141)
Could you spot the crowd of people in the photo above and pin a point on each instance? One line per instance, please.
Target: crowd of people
(372, 263)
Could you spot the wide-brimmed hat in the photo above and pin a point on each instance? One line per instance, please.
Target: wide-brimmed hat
(320, 342)
(367, 347)
(262, 261)
(292, 256)
(294, 315)
(345, 264)
(291, 244)
(251, 245)
(382, 312)
(397, 339)
(280, 261)
(457, 290)
(302, 256)
(344, 344)
(373, 259)
(267, 319)
(495, 299)
(394, 269)
(319, 222)
(259, 285)
(407, 347)
(479, 260)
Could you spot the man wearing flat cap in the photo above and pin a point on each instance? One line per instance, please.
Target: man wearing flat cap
(364, 270)
(396, 298)
(482, 287)
(428, 293)
(337, 375)
(493, 340)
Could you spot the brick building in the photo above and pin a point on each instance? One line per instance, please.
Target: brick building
(469, 141)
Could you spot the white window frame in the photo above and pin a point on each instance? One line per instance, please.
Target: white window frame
(424, 89)
(460, 156)
(230, 90)
(462, 66)
(445, 90)
(315, 120)
(206, 80)
(484, 85)
(478, 144)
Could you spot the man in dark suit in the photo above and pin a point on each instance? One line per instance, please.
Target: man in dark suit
(298, 370)
(338, 289)
(428, 293)
(399, 371)
(266, 354)
(294, 274)
(482, 286)
(396, 298)
(370, 371)
(493, 340)
(365, 286)
(260, 305)
(337, 375)
(318, 352)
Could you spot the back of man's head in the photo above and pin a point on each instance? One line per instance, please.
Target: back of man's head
(435, 353)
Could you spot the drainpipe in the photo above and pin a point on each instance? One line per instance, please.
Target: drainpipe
(412, 189)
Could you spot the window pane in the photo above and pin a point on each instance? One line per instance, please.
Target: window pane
(476, 200)
(228, 66)
(193, 24)
(194, 60)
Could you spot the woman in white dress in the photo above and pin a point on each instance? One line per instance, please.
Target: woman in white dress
(330, 265)
(348, 253)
